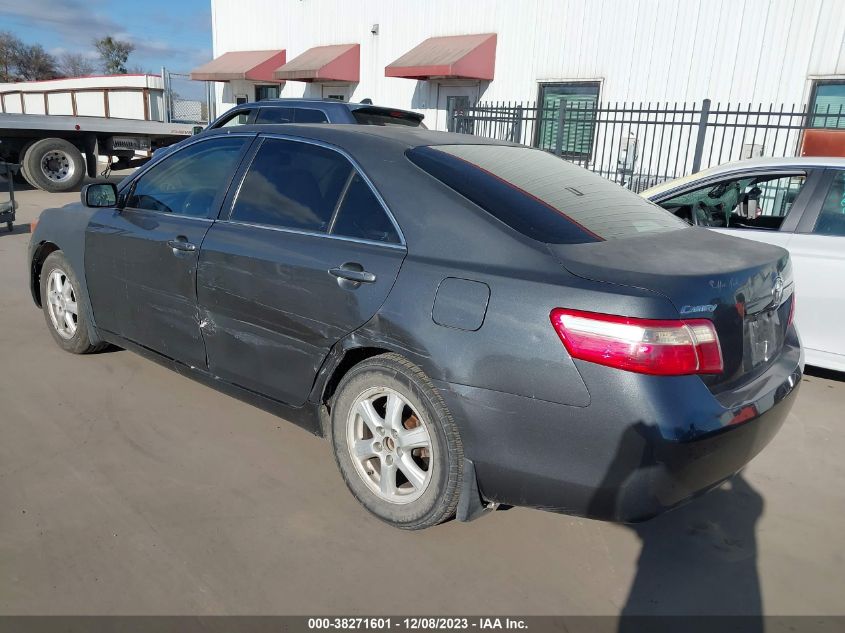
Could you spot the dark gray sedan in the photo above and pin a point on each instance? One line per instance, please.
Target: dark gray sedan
(470, 323)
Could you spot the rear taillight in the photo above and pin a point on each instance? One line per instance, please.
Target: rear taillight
(645, 346)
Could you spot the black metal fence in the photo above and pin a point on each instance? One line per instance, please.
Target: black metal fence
(640, 145)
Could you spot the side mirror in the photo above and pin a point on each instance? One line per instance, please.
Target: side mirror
(198, 129)
(99, 194)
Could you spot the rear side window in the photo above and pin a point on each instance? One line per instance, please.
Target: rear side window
(294, 185)
(306, 115)
(542, 196)
(367, 116)
(360, 215)
(274, 115)
(307, 187)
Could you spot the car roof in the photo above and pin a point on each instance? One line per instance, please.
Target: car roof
(749, 164)
(349, 136)
(283, 102)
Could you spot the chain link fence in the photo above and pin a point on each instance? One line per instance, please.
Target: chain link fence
(186, 100)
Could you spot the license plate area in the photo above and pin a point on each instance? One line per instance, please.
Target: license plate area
(763, 338)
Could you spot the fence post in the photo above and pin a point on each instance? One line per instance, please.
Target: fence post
(516, 135)
(699, 141)
(561, 122)
(165, 94)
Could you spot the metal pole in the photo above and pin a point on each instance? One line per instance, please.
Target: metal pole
(166, 85)
(561, 122)
(699, 141)
(517, 128)
(211, 98)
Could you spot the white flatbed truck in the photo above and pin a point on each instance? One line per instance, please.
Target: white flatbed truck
(57, 130)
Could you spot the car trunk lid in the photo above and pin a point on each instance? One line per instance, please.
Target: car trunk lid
(744, 287)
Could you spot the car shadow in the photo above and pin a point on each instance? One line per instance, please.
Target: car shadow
(18, 229)
(698, 559)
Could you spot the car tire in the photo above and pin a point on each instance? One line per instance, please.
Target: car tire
(403, 460)
(53, 165)
(59, 298)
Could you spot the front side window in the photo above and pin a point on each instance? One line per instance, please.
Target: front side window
(747, 202)
(188, 181)
(827, 105)
(541, 196)
(831, 219)
(578, 102)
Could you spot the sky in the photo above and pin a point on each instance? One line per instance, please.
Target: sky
(171, 33)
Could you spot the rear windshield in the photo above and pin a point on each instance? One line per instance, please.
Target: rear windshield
(374, 116)
(542, 196)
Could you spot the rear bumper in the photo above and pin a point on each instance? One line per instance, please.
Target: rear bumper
(642, 446)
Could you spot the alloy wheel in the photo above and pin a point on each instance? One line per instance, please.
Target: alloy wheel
(61, 304)
(390, 445)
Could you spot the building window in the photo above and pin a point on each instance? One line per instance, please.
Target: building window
(579, 100)
(266, 92)
(827, 104)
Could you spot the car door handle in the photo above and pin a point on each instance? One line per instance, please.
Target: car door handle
(353, 272)
(181, 244)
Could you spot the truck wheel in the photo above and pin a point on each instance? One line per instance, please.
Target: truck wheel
(21, 175)
(53, 164)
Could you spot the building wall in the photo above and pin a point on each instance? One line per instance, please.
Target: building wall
(749, 51)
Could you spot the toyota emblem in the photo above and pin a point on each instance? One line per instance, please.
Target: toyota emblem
(777, 292)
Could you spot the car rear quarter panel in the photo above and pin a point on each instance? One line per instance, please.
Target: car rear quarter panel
(515, 349)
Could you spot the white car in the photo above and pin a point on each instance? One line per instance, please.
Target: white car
(796, 203)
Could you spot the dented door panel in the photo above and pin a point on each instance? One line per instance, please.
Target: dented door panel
(141, 287)
(270, 309)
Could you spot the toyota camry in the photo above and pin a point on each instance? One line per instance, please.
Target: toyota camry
(468, 322)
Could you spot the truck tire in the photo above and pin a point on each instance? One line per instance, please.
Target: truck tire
(21, 175)
(54, 165)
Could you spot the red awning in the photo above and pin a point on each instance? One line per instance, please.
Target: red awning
(253, 65)
(459, 56)
(339, 62)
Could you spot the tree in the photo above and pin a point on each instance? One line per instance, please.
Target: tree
(113, 54)
(34, 63)
(10, 48)
(75, 65)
